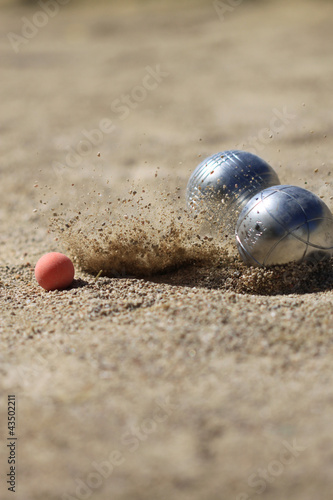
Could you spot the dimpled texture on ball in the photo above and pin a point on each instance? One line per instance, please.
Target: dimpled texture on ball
(226, 179)
(284, 224)
(54, 271)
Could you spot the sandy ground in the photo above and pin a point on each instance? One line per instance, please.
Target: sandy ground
(209, 381)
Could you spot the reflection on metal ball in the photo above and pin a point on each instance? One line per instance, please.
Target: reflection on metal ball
(222, 184)
(284, 224)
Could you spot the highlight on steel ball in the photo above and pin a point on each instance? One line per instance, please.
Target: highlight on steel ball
(221, 185)
(284, 224)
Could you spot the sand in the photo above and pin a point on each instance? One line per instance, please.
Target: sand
(169, 370)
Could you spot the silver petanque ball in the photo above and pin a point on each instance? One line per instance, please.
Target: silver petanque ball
(284, 224)
(222, 184)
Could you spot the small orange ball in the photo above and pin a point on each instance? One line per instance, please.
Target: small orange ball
(54, 271)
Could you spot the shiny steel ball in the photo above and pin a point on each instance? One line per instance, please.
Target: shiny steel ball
(284, 224)
(222, 184)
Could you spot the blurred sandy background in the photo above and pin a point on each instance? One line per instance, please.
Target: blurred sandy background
(177, 386)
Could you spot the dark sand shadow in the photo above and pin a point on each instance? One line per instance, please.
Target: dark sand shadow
(236, 277)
